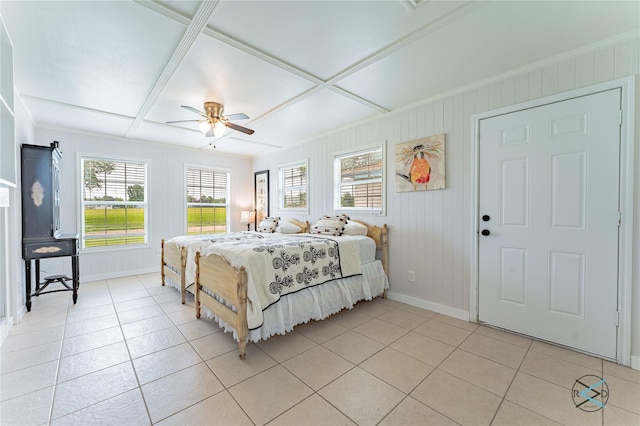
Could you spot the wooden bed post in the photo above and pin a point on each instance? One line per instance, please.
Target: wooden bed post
(162, 262)
(243, 327)
(197, 285)
(384, 240)
(183, 267)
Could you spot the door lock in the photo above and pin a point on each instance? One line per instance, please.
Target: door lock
(485, 232)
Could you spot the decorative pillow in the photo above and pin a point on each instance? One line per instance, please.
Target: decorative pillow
(268, 224)
(329, 225)
(354, 228)
(287, 228)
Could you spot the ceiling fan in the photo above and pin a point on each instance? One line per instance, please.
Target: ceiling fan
(213, 122)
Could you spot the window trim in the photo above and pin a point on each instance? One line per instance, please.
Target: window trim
(337, 156)
(188, 166)
(80, 156)
(280, 169)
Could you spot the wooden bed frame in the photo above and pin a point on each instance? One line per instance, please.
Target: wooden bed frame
(173, 260)
(214, 273)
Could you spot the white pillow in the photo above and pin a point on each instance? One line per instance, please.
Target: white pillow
(268, 224)
(329, 225)
(287, 228)
(354, 228)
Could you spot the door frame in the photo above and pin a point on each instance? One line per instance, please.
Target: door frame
(626, 201)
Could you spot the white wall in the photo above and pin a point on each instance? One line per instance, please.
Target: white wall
(430, 231)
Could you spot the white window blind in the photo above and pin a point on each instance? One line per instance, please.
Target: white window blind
(207, 201)
(292, 187)
(359, 180)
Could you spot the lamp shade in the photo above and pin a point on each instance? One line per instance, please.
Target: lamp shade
(245, 216)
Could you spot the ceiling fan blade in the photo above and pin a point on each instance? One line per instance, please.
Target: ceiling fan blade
(238, 116)
(192, 109)
(239, 128)
(181, 121)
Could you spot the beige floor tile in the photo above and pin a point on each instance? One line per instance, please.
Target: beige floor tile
(215, 345)
(90, 361)
(172, 394)
(87, 342)
(16, 342)
(132, 305)
(231, 370)
(128, 408)
(423, 348)
(173, 297)
(568, 355)
(33, 323)
(627, 373)
(27, 380)
(457, 399)
(126, 296)
(443, 332)
(317, 367)
(162, 363)
(404, 319)
(82, 392)
(146, 326)
(350, 318)
(269, 394)
(495, 350)
(217, 410)
(282, 348)
(364, 398)
(510, 414)
(182, 316)
(479, 371)
(411, 413)
(374, 307)
(154, 342)
(623, 394)
(313, 411)
(320, 331)
(354, 347)
(554, 370)
(90, 325)
(89, 313)
(30, 357)
(146, 312)
(399, 370)
(504, 336)
(614, 416)
(465, 325)
(381, 331)
(199, 328)
(549, 400)
(29, 409)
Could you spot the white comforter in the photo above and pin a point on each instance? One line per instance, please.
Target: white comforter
(277, 266)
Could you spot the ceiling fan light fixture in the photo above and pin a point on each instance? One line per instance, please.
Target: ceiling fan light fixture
(219, 128)
(204, 127)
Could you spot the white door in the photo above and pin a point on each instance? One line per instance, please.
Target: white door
(549, 180)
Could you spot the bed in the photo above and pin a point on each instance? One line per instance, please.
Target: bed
(177, 265)
(232, 288)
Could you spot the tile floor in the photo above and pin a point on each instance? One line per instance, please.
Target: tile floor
(130, 354)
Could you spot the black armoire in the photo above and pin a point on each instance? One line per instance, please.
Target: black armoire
(41, 237)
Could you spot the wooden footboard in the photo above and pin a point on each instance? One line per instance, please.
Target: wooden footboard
(173, 265)
(228, 284)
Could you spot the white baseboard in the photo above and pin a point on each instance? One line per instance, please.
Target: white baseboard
(635, 362)
(432, 306)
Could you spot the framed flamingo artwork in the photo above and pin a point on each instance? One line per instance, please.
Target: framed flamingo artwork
(420, 164)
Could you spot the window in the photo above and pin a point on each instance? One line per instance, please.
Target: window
(207, 201)
(358, 178)
(292, 187)
(114, 202)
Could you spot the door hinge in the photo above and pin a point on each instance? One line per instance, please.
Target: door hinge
(617, 318)
(620, 115)
(619, 218)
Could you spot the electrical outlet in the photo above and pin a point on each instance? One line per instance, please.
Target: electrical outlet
(412, 276)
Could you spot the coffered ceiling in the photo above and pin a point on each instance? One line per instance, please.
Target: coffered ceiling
(298, 69)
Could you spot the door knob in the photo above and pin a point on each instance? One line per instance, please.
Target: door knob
(486, 218)
(485, 232)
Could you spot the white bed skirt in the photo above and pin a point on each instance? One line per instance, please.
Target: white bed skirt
(315, 303)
